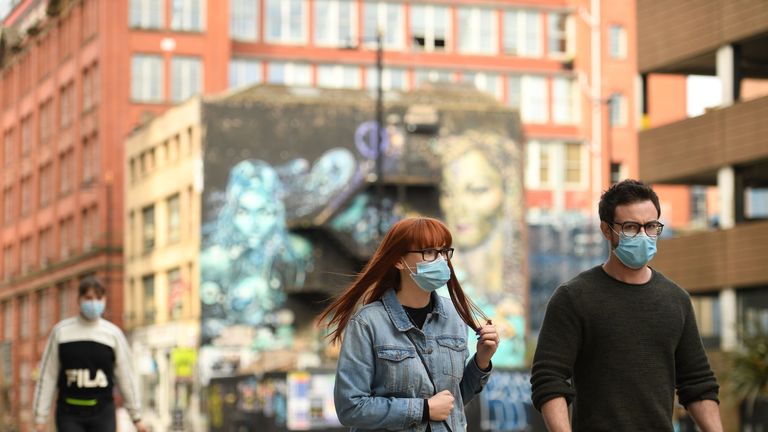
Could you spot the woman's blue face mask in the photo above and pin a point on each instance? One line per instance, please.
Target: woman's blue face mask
(430, 275)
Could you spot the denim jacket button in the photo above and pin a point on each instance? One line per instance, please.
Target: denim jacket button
(429, 350)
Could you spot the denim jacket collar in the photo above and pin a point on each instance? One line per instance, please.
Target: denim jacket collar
(398, 315)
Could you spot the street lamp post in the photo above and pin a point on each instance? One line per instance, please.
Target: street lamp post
(379, 132)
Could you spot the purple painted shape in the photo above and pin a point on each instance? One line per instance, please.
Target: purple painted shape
(364, 140)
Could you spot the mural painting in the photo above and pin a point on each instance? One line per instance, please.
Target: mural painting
(482, 200)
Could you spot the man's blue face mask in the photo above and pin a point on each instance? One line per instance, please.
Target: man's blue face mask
(635, 252)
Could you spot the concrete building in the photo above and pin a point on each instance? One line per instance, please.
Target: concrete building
(725, 148)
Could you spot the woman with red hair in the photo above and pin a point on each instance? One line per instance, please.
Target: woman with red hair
(403, 363)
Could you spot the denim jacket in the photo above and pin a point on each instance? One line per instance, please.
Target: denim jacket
(381, 383)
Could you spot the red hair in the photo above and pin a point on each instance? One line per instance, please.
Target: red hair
(380, 274)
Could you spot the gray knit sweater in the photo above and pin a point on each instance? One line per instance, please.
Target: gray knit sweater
(625, 348)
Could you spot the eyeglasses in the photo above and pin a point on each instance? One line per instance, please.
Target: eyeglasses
(431, 254)
(631, 229)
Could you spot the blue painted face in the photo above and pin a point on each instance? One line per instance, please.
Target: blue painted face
(257, 214)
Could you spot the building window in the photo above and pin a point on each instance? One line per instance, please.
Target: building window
(485, 82)
(187, 15)
(7, 321)
(9, 147)
(175, 293)
(27, 136)
(26, 195)
(8, 262)
(174, 218)
(522, 33)
(66, 299)
(296, 74)
(90, 154)
(147, 78)
(706, 308)
(148, 285)
(617, 45)
(186, 77)
(392, 79)
(244, 20)
(338, 76)
(430, 27)
(46, 121)
(66, 105)
(384, 17)
(286, 21)
(43, 312)
(148, 228)
(66, 171)
(559, 43)
(46, 246)
(477, 31)
(90, 18)
(530, 95)
(335, 23)
(66, 236)
(147, 14)
(433, 75)
(25, 318)
(243, 72)
(564, 102)
(617, 110)
(27, 254)
(90, 220)
(90, 87)
(9, 212)
(45, 192)
(616, 172)
(573, 163)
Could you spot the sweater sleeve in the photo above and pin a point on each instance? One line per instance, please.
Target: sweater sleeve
(694, 377)
(556, 351)
(126, 377)
(46, 383)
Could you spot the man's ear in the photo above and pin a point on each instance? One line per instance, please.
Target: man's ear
(606, 230)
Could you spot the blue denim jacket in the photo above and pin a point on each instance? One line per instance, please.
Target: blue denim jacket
(381, 383)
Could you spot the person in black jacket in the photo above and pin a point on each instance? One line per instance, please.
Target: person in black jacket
(623, 334)
(84, 359)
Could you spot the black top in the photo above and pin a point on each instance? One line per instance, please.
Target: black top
(419, 315)
(626, 348)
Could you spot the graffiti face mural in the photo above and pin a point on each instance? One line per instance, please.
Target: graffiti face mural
(482, 199)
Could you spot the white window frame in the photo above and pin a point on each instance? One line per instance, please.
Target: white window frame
(332, 20)
(430, 13)
(617, 110)
(567, 34)
(617, 41)
(522, 30)
(239, 68)
(432, 75)
(183, 20)
(583, 163)
(534, 89)
(140, 14)
(183, 76)
(244, 20)
(391, 38)
(387, 81)
(484, 81)
(294, 74)
(565, 106)
(474, 45)
(336, 75)
(149, 77)
(287, 34)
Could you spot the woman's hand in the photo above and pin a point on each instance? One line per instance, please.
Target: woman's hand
(487, 343)
(440, 405)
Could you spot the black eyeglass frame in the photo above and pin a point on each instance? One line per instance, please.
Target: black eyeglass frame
(643, 226)
(447, 253)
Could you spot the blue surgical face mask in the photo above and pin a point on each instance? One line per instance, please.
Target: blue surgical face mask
(635, 252)
(92, 309)
(431, 275)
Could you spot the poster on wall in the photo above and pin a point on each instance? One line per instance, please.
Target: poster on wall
(310, 401)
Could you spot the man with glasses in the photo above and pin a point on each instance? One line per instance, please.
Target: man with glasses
(619, 339)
